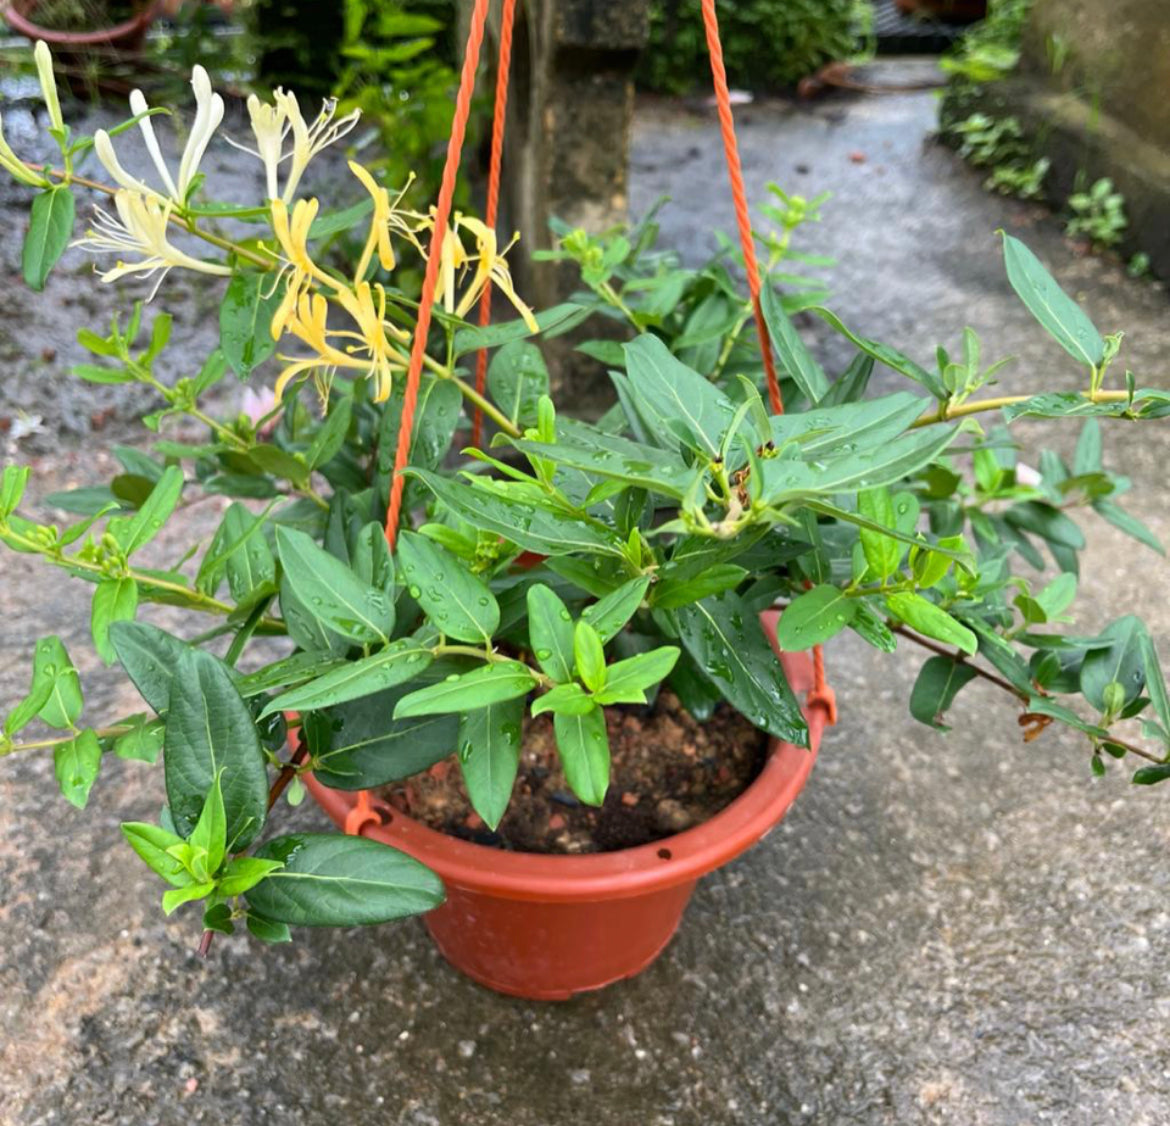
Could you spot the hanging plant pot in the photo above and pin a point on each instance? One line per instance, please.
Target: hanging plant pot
(124, 37)
(549, 926)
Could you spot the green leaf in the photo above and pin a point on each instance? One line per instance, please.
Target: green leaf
(246, 556)
(244, 873)
(76, 765)
(626, 681)
(330, 592)
(174, 899)
(609, 615)
(13, 481)
(729, 646)
(795, 359)
(245, 321)
(583, 744)
(813, 617)
(589, 656)
(114, 600)
(559, 318)
(882, 553)
(334, 222)
(670, 593)
(1155, 683)
(143, 742)
(489, 753)
(1123, 661)
(489, 684)
(456, 601)
(1151, 775)
(218, 918)
(550, 633)
(51, 665)
(340, 881)
(884, 354)
(571, 699)
(289, 670)
(938, 683)
(210, 833)
(516, 379)
(931, 620)
(210, 733)
(133, 532)
(330, 437)
(150, 657)
(1130, 525)
(522, 523)
(266, 930)
(1050, 305)
(400, 661)
(676, 400)
(151, 843)
(50, 226)
(358, 745)
(26, 711)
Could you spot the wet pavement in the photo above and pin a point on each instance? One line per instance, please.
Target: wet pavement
(944, 930)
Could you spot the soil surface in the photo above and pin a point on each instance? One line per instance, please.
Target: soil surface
(668, 773)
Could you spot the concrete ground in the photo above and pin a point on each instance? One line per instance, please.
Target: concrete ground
(944, 930)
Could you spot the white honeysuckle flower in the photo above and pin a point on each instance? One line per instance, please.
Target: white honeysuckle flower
(273, 122)
(48, 80)
(208, 114)
(141, 228)
(15, 167)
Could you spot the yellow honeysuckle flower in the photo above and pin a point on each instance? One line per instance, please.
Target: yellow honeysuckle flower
(490, 265)
(380, 223)
(293, 235)
(141, 228)
(44, 60)
(382, 359)
(307, 321)
(452, 258)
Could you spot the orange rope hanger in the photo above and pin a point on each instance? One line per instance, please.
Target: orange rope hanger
(821, 694)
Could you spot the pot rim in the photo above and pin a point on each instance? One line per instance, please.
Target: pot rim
(23, 25)
(681, 858)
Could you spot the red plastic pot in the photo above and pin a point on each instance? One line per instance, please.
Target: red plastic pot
(547, 927)
(126, 36)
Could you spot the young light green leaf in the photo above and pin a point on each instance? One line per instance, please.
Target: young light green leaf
(583, 744)
(244, 873)
(882, 553)
(76, 765)
(813, 617)
(489, 684)
(51, 665)
(571, 699)
(458, 602)
(610, 614)
(626, 681)
(330, 592)
(931, 620)
(1050, 305)
(341, 881)
(209, 837)
(114, 600)
(550, 633)
(133, 532)
(175, 898)
(489, 753)
(151, 843)
(13, 481)
(143, 742)
(589, 656)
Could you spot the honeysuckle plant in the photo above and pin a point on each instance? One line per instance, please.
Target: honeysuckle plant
(564, 568)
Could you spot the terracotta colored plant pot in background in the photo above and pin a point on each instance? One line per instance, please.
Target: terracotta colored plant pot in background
(949, 11)
(126, 36)
(547, 927)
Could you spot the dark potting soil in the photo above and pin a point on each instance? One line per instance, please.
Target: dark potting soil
(669, 772)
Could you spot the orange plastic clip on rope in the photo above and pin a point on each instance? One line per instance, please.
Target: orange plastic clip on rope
(821, 693)
(499, 116)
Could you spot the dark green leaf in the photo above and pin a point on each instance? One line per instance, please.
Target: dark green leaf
(559, 317)
(489, 753)
(671, 593)
(583, 745)
(209, 730)
(550, 633)
(1122, 661)
(266, 930)
(150, 657)
(456, 601)
(516, 379)
(333, 880)
(609, 615)
(133, 532)
(795, 359)
(938, 683)
(245, 321)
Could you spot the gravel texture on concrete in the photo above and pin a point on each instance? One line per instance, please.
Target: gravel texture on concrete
(944, 930)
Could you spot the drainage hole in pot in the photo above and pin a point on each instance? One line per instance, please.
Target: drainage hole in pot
(664, 853)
